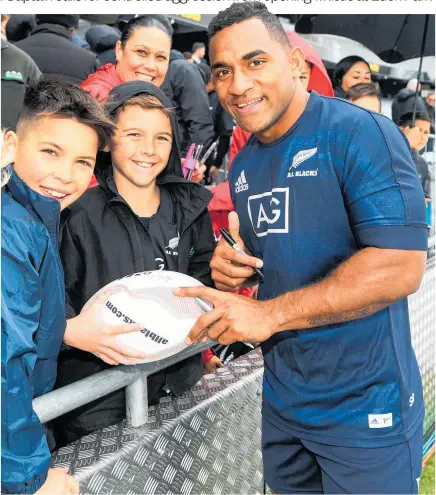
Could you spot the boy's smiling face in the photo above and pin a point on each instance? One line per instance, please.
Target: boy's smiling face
(141, 146)
(55, 156)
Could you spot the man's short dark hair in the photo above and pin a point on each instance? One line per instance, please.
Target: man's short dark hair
(361, 90)
(240, 12)
(406, 120)
(197, 45)
(187, 55)
(55, 97)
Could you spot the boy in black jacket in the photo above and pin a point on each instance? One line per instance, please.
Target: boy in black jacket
(143, 216)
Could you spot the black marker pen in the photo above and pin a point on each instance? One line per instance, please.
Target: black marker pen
(229, 239)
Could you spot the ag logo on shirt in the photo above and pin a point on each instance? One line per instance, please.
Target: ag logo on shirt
(269, 212)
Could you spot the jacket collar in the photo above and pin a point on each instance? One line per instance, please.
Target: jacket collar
(53, 29)
(192, 198)
(47, 210)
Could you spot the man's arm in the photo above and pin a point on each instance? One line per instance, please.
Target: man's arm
(364, 284)
(386, 212)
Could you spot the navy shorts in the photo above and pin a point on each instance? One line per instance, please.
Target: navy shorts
(293, 465)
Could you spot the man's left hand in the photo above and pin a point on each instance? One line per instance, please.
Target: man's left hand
(233, 319)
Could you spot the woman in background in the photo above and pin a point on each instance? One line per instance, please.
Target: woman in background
(348, 72)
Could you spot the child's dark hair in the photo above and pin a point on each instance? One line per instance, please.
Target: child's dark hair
(55, 97)
(361, 90)
(406, 120)
(146, 21)
(343, 66)
(239, 12)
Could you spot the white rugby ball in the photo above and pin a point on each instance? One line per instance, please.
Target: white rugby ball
(147, 298)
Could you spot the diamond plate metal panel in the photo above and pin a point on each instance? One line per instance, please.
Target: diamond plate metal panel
(206, 441)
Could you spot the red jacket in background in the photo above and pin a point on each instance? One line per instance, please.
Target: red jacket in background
(319, 81)
(101, 83)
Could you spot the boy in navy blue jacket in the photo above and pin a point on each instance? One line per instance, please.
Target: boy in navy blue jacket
(54, 152)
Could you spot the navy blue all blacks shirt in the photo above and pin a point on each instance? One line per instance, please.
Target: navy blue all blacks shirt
(341, 179)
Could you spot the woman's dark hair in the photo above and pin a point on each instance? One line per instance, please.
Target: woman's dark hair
(146, 21)
(56, 97)
(343, 66)
(362, 89)
(239, 12)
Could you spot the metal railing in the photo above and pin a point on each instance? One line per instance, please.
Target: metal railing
(133, 378)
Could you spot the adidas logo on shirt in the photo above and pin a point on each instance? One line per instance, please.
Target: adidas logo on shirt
(241, 183)
(380, 420)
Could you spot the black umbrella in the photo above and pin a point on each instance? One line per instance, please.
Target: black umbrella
(191, 22)
(394, 38)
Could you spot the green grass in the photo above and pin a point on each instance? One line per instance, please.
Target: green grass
(427, 487)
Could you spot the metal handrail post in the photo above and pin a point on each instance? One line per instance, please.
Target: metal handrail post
(137, 401)
(70, 397)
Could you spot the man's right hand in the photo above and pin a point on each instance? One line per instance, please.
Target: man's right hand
(59, 482)
(230, 269)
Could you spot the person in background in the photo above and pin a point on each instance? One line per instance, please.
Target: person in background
(20, 26)
(50, 46)
(18, 71)
(188, 56)
(143, 54)
(204, 71)
(49, 171)
(4, 21)
(198, 52)
(102, 40)
(77, 40)
(185, 86)
(142, 203)
(366, 95)
(417, 134)
(429, 101)
(404, 101)
(223, 125)
(348, 72)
